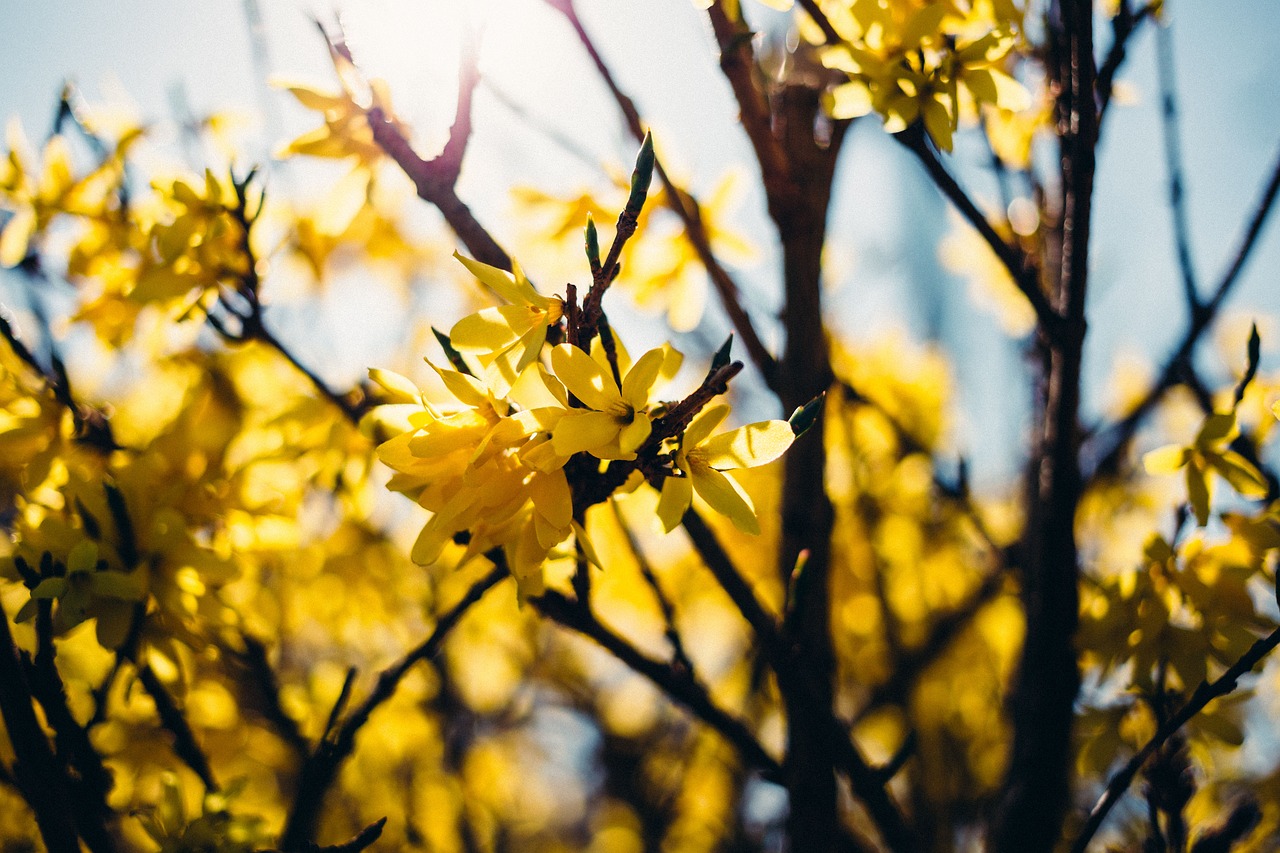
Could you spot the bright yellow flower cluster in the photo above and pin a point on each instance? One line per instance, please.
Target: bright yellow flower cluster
(922, 60)
(544, 429)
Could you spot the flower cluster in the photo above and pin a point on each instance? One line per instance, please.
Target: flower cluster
(922, 61)
(547, 415)
(543, 428)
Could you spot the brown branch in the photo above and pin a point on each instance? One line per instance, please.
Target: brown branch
(1035, 793)
(90, 782)
(1020, 266)
(914, 662)
(679, 655)
(684, 205)
(1173, 163)
(38, 774)
(676, 682)
(737, 62)
(814, 11)
(254, 672)
(1104, 448)
(185, 745)
(1123, 26)
(1205, 693)
(321, 767)
(717, 560)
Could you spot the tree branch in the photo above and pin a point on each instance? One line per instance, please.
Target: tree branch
(677, 683)
(1205, 693)
(1020, 266)
(321, 767)
(38, 775)
(1103, 448)
(684, 205)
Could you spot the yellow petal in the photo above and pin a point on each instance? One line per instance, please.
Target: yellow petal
(581, 430)
(726, 497)
(677, 494)
(399, 389)
(1240, 473)
(493, 329)
(16, 236)
(552, 498)
(640, 379)
(748, 446)
(704, 424)
(514, 289)
(1217, 428)
(1165, 460)
(634, 433)
(1198, 493)
(584, 378)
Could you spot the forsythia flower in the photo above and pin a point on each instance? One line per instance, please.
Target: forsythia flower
(466, 468)
(1209, 452)
(615, 422)
(701, 460)
(518, 328)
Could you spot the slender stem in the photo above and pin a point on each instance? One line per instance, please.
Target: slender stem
(1104, 448)
(1020, 265)
(1036, 790)
(1203, 695)
(321, 767)
(677, 683)
(185, 745)
(1173, 162)
(684, 205)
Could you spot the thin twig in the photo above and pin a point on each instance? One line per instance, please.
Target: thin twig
(1020, 265)
(1105, 447)
(677, 683)
(38, 774)
(1203, 695)
(684, 205)
(1123, 26)
(679, 656)
(185, 745)
(321, 767)
(1173, 162)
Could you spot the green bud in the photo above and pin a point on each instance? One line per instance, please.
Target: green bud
(593, 244)
(641, 177)
(807, 415)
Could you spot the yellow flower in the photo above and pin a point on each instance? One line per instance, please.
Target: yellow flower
(518, 328)
(615, 421)
(702, 459)
(1209, 452)
(471, 469)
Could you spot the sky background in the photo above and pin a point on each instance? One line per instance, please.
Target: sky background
(149, 55)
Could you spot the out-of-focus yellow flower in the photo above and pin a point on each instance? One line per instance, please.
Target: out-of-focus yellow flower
(701, 459)
(1209, 452)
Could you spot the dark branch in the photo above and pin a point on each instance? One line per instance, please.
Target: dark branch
(321, 767)
(1203, 695)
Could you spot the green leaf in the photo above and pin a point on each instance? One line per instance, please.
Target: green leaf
(455, 357)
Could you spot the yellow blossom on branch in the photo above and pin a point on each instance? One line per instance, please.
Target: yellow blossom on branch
(701, 460)
(1209, 452)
